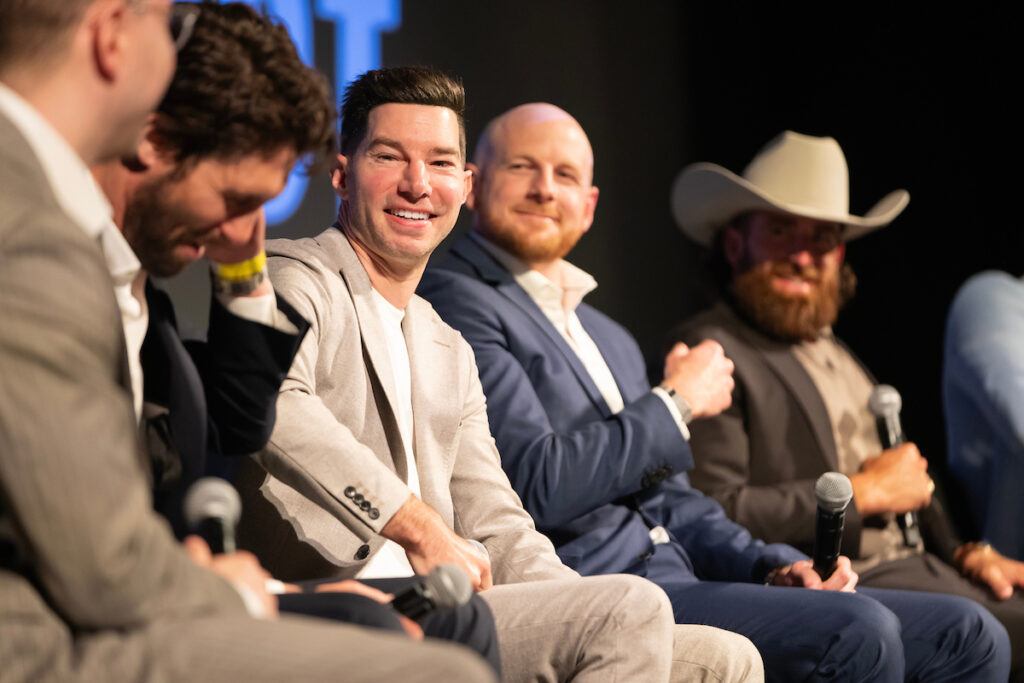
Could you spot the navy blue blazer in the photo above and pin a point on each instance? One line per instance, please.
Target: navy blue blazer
(217, 398)
(595, 483)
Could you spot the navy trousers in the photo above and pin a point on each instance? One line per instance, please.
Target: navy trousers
(874, 634)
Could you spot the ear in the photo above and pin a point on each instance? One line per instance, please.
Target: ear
(474, 182)
(841, 253)
(151, 154)
(339, 177)
(732, 246)
(150, 151)
(106, 23)
(589, 207)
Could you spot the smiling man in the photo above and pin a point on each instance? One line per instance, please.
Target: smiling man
(381, 463)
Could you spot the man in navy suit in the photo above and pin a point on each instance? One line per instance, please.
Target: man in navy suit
(600, 459)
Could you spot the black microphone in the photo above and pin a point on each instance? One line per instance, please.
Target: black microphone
(885, 404)
(444, 588)
(212, 510)
(834, 492)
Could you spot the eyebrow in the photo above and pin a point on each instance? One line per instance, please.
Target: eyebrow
(391, 142)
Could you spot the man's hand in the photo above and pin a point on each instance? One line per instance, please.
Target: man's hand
(241, 569)
(702, 376)
(894, 481)
(238, 239)
(412, 629)
(988, 566)
(802, 574)
(428, 542)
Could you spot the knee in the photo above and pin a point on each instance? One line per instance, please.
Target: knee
(640, 602)
(979, 635)
(631, 604)
(709, 653)
(867, 636)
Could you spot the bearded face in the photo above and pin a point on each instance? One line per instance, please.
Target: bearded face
(534, 195)
(789, 275)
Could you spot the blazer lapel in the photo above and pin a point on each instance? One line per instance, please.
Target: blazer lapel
(436, 402)
(375, 350)
(503, 281)
(780, 358)
(173, 382)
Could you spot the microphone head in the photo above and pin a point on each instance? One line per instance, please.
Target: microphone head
(885, 400)
(448, 586)
(212, 497)
(833, 491)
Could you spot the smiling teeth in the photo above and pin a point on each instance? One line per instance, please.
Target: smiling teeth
(411, 215)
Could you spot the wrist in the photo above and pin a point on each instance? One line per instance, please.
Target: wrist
(967, 550)
(409, 526)
(864, 494)
(242, 278)
(685, 411)
(770, 577)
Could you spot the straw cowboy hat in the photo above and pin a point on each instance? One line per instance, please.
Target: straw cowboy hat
(795, 174)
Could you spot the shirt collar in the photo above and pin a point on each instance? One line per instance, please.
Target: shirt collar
(122, 262)
(72, 183)
(567, 295)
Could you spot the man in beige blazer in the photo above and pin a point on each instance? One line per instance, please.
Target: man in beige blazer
(93, 586)
(381, 461)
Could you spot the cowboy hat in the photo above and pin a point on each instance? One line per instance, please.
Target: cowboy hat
(794, 173)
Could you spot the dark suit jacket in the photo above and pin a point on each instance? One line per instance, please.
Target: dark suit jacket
(761, 457)
(595, 482)
(217, 398)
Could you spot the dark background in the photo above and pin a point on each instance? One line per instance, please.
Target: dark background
(919, 98)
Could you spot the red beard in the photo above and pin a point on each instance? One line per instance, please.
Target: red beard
(792, 318)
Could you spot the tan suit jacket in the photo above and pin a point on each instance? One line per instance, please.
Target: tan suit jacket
(93, 586)
(332, 456)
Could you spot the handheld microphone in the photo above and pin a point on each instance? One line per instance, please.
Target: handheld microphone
(885, 404)
(834, 492)
(212, 510)
(445, 587)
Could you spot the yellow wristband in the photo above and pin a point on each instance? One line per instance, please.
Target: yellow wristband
(243, 270)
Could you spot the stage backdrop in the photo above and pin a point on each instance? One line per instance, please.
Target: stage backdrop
(922, 102)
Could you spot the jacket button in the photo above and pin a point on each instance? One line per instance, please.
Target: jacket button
(363, 551)
(374, 513)
(365, 506)
(350, 491)
(358, 498)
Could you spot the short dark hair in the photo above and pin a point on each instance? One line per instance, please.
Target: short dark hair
(241, 88)
(399, 85)
(36, 29)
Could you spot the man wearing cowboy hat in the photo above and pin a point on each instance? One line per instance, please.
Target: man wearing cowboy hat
(801, 401)
(599, 458)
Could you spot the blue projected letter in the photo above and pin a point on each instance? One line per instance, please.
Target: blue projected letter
(358, 28)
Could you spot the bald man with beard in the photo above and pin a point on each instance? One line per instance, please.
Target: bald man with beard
(599, 458)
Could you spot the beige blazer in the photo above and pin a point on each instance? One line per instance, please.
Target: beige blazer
(332, 454)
